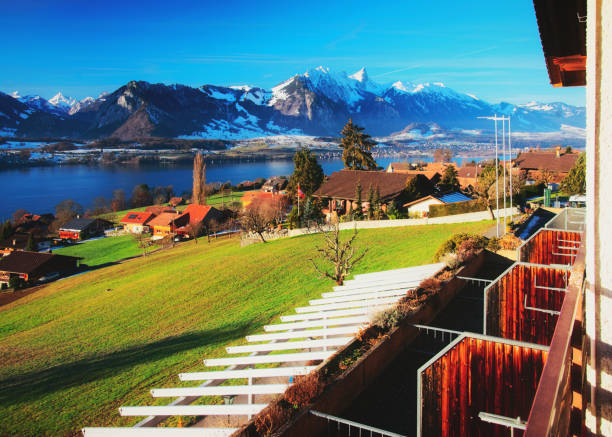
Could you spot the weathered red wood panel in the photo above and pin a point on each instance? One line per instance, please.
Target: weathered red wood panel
(479, 376)
(551, 247)
(518, 302)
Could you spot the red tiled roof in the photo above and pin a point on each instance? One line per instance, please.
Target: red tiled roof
(156, 210)
(469, 171)
(137, 217)
(546, 161)
(198, 213)
(164, 219)
(342, 184)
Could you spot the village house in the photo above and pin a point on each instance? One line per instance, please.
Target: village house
(420, 207)
(32, 266)
(159, 209)
(339, 196)
(275, 184)
(83, 228)
(167, 223)
(467, 175)
(199, 214)
(534, 162)
(176, 201)
(135, 222)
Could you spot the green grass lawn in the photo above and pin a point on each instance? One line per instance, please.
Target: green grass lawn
(102, 251)
(216, 200)
(79, 348)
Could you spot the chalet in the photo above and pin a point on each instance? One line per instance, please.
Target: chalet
(19, 241)
(31, 266)
(275, 184)
(339, 191)
(176, 201)
(83, 228)
(533, 163)
(34, 223)
(158, 209)
(420, 207)
(251, 196)
(428, 170)
(136, 221)
(199, 214)
(167, 223)
(468, 176)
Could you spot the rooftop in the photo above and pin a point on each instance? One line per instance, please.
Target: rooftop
(342, 184)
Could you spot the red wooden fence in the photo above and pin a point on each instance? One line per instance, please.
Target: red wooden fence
(479, 375)
(518, 304)
(551, 247)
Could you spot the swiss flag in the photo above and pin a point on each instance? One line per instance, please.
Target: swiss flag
(300, 193)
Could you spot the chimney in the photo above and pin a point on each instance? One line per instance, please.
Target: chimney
(558, 151)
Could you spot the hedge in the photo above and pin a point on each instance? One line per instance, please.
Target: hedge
(475, 205)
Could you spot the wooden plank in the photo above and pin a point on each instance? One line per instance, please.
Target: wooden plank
(307, 333)
(220, 390)
(347, 305)
(360, 296)
(289, 345)
(337, 321)
(193, 410)
(335, 313)
(246, 373)
(262, 359)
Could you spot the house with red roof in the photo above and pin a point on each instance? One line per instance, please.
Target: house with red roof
(136, 221)
(167, 223)
(196, 214)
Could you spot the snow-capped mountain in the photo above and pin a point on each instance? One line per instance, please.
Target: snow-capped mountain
(317, 102)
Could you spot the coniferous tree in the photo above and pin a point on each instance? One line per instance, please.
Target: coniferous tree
(357, 147)
(308, 174)
(7, 230)
(377, 204)
(30, 245)
(575, 181)
(370, 202)
(358, 212)
(449, 179)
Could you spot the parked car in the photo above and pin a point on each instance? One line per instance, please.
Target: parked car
(49, 277)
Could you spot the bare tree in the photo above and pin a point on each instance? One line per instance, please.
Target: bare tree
(195, 230)
(257, 217)
(142, 242)
(340, 254)
(443, 155)
(545, 175)
(199, 180)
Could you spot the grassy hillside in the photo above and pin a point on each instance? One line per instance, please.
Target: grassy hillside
(103, 250)
(78, 349)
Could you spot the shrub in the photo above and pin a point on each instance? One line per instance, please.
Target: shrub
(493, 244)
(453, 242)
(446, 275)
(305, 389)
(509, 242)
(457, 208)
(467, 250)
(451, 260)
(272, 417)
(429, 286)
(388, 318)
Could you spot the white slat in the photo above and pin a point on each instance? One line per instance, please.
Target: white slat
(192, 410)
(405, 288)
(288, 345)
(345, 305)
(377, 285)
(360, 296)
(409, 271)
(330, 314)
(357, 320)
(158, 432)
(220, 390)
(246, 373)
(261, 359)
(307, 333)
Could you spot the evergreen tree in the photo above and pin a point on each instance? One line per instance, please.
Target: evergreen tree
(370, 202)
(357, 146)
(308, 174)
(7, 230)
(449, 179)
(575, 181)
(358, 212)
(30, 245)
(377, 204)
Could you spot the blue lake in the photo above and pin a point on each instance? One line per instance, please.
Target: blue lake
(39, 189)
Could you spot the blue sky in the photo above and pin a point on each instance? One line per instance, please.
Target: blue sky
(490, 49)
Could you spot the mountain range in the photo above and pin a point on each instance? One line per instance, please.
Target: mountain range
(318, 102)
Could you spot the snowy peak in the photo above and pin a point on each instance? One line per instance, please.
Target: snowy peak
(62, 103)
(360, 76)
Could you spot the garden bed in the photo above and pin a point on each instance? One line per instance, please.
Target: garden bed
(334, 384)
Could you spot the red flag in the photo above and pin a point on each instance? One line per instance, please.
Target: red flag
(300, 193)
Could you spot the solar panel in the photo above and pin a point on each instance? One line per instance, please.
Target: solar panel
(133, 216)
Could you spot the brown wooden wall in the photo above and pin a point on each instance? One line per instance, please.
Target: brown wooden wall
(506, 315)
(479, 376)
(543, 247)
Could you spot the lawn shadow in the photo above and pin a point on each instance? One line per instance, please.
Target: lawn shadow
(29, 386)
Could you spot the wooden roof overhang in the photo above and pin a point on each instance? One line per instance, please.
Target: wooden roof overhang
(562, 26)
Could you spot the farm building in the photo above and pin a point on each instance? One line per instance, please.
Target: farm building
(420, 207)
(136, 221)
(83, 228)
(31, 266)
(339, 192)
(159, 209)
(167, 223)
(176, 201)
(197, 214)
